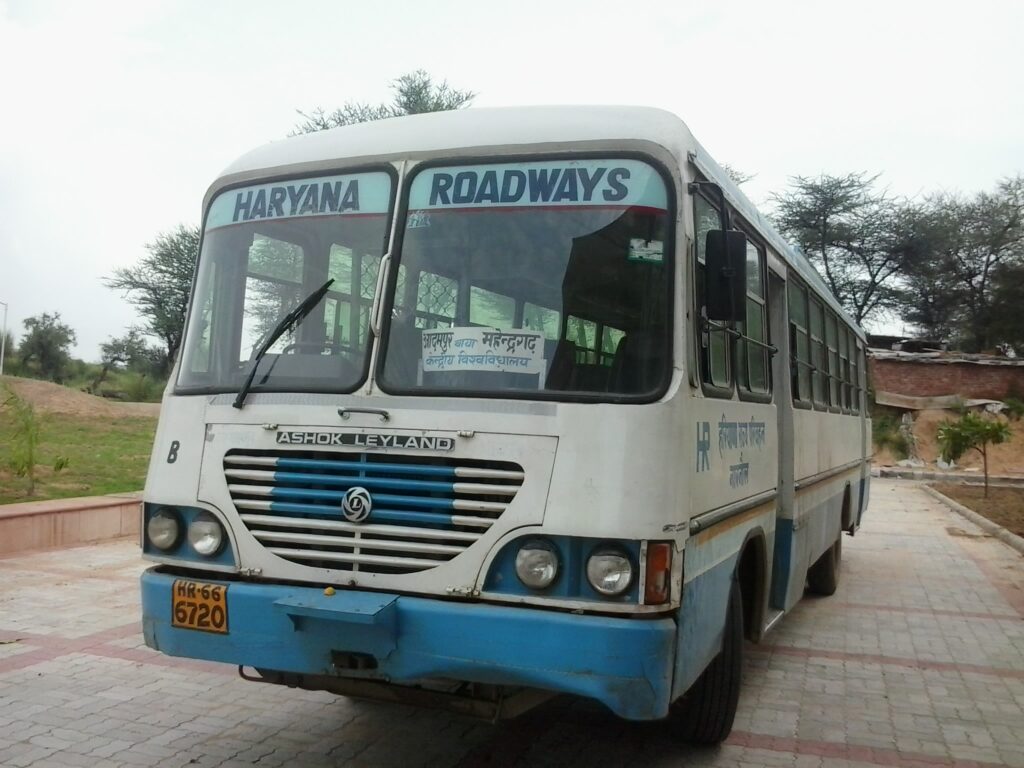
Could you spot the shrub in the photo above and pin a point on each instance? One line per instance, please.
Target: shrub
(972, 432)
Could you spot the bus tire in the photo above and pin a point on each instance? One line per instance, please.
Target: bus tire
(704, 714)
(823, 576)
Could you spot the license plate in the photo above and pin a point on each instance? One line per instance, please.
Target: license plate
(197, 605)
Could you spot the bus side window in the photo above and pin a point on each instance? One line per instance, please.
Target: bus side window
(753, 359)
(713, 344)
(831, 344)
(490, 309)
(844, 369)
(436, 301)
(818, 377)
(799, 342)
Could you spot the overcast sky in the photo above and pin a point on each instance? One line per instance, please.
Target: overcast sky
(116, 116)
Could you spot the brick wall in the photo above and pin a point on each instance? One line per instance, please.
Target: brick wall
(907, 377)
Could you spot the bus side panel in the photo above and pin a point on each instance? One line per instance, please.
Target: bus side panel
(709, 568)
(802, 539)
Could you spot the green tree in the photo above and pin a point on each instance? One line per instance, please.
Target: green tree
(415, 93)
(854, 234)
(129, 351)
(44, 350)
(972, 432)
(159, 285)
(962, 281)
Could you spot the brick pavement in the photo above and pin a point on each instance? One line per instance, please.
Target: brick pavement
(917, 661)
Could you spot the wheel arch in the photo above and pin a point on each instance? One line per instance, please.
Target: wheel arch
(752, 577)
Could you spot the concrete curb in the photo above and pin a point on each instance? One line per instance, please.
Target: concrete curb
(963, 478)
(57, 523)
(996, 531)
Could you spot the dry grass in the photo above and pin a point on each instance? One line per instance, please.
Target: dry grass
(1004, 506)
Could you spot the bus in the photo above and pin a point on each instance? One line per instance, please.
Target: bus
(480, 407)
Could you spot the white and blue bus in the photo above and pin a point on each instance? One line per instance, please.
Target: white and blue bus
(479, 407)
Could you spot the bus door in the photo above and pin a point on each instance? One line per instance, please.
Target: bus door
(784, 549)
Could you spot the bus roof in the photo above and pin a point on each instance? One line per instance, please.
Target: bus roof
(505, 129)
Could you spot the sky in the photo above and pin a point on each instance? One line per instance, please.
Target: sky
(117, 115)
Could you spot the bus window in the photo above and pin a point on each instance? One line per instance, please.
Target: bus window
(260, 258)
(844, 369)
(491, 309)
(832, 345)
(799, 343)
(548, 321)
(753, 359)
(586, 243)
(714, 344)
(819, 373)
(435, 301)
(273, 284)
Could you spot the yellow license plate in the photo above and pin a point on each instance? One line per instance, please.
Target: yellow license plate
(197, 605)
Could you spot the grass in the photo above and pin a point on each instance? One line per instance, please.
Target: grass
(108, 455)
(1004, 506)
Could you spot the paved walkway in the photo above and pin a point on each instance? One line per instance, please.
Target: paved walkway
(917, 661)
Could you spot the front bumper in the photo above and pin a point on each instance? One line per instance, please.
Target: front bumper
(624, 663)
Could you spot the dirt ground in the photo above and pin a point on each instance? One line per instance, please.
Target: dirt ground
(1004, 506)
(1006, 459)
(53, 398)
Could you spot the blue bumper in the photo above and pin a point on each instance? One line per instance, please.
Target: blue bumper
(624, 663)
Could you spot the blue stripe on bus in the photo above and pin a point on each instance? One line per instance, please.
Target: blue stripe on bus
(366, 466)
(365, 482)
(426, 502)
(376, 516)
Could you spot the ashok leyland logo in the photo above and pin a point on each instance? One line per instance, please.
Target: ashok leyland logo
(356, 505)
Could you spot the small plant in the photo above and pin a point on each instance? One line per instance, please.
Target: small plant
(1014, 408)
(885, 432)
(138, 387)
(972, 432)
(25, 438)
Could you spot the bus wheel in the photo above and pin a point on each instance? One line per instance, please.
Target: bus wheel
(823, 576)
(704, 715)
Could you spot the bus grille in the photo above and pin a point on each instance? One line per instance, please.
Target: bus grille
(425, 510)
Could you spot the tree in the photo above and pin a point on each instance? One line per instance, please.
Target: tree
(972, 432)
(45, 346)
(856, 236)
(130, 351)
(415, 93)
(967, 258)
(159, 286)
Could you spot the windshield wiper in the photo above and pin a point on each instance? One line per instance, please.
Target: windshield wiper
(286, 323)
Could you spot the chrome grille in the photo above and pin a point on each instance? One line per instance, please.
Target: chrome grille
(426, 510)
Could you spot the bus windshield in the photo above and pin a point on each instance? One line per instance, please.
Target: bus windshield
(535, 278)
(266, 248)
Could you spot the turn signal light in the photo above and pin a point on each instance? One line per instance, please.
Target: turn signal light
(659, 573)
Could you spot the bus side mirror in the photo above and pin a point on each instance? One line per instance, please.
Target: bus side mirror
(725, 262)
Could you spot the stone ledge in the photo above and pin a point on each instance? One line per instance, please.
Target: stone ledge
(58, 523)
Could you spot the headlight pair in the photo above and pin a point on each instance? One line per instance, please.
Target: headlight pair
(205, 533)
(609, 569)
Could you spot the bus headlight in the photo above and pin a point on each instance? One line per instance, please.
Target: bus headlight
(609, 571)
(206, 534)
(164, 529)
(537, 563)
